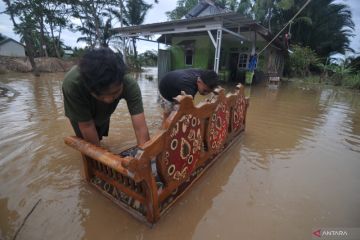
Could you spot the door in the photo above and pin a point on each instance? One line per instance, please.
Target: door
(164, 63)
(233, 65)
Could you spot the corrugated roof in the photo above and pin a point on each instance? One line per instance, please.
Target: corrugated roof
(227, 20)
(198, 25)
(195, 11)
(7, 39)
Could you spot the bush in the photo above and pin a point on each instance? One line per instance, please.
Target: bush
(352, 81)
(301, 59)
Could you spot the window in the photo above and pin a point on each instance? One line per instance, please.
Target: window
(243, 60)
(189, 57)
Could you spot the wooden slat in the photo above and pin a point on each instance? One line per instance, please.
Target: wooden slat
(121, 187)
(102, 155)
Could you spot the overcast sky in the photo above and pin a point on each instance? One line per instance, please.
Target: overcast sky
(157, 14)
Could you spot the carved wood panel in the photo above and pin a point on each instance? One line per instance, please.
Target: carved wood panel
(182, 149)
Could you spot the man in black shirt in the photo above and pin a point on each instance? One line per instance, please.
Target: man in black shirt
(189, 81)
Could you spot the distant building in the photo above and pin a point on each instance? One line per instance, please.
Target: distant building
(68, 53)
(10, 47)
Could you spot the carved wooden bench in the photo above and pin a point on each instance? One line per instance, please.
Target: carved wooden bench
(192, 138)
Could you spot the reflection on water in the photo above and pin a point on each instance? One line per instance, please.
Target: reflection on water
(296, 168)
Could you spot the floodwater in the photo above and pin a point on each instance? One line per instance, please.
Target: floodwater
(295, 169)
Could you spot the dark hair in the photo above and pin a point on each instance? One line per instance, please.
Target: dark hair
(100, 68)
(210, 78)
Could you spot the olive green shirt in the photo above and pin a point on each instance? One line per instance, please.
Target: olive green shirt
(81, 106)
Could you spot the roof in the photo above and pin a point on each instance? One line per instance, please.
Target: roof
(229, 20)
(212, 7)
(7, 39)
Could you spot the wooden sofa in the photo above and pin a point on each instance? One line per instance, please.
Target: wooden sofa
(192, 138)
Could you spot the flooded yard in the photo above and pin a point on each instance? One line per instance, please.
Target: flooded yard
(295, 169)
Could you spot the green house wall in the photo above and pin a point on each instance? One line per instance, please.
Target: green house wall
(204, 52)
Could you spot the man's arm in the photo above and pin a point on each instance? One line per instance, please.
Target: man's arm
(89, 133)
(140, 128)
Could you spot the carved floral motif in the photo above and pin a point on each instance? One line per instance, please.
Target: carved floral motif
(183, 148)
(218, 127)
(239, 114)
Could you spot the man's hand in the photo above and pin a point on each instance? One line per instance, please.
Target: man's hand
(89, 133)
(140, 128)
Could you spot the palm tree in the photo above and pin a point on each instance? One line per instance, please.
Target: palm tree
(182, 8)
(96, 34)
(133, 13)
(324, 26)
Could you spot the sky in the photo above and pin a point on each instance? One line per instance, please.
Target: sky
(157, 14)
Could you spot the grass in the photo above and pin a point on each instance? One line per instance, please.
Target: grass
(352, 81)
(349, 81)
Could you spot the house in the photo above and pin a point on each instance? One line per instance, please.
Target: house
(68, 53)
(10, 47)
(211, 37)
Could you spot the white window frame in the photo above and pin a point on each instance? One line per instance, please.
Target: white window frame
(242, 63)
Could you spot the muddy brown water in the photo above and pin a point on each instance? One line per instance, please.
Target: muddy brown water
(295, 169)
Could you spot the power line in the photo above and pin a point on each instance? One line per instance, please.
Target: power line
(290, 21)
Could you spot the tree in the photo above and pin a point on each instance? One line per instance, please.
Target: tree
(323, 25)
(134, 13)
(148, 58)
(57, 18)
(182, 8)
(244, 7)
(32, 20)
(91, 15)
(301, 59)
(22, 11)
(354, 63)
(96, 34)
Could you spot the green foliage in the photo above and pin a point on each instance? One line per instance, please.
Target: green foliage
(352, 81)
(135, 12)
(285, 4)
(301, 59)
(339, 72)
(133, 63)
(182, 8)
(148, 58)
(39, 23)
(354, 63)
(95, 21)
(245, 7)
(324, 25)
(79, 52)
(97, 34)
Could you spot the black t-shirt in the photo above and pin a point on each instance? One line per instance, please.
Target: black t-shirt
(176, 81)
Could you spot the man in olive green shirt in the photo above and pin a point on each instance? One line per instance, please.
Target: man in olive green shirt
(92, 91)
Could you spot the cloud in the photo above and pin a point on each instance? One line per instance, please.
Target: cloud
(354, 6)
